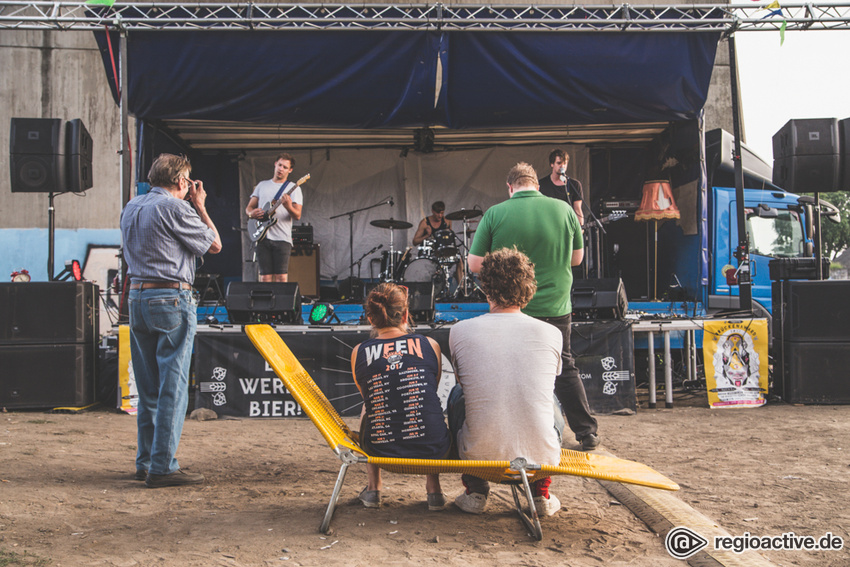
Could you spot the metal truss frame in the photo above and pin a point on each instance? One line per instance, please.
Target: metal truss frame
(725, 18)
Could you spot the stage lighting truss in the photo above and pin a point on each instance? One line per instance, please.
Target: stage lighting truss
(323, 314)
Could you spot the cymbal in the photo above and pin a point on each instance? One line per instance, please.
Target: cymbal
(464, 214)
(391, 224)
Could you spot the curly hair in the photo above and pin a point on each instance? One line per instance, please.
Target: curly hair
(386, 305)
(167, 169)
(507, 278)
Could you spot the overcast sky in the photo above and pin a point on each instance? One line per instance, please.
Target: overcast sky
(807, 77)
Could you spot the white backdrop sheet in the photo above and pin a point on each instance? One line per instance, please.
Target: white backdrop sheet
(343, 180)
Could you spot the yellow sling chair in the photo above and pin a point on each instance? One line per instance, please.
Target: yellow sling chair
(344, 444)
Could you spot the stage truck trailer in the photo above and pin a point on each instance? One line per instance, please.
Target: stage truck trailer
(696, 269)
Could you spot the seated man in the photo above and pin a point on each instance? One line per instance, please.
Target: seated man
(506, 362)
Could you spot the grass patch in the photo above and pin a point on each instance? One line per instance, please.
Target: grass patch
(36, 422)
(8, 558)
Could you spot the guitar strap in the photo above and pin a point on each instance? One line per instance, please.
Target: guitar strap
(280, 191)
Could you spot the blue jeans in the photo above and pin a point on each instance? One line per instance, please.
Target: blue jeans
(456, 409)
(162, 332)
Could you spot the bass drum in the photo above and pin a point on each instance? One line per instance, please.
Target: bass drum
(425, 270)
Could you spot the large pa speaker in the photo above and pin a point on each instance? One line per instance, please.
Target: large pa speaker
(37, 155)
(814, 311)
(263, 302)
(79, 152)
(48, 312)
(816, 373)
(304, 262)
(47, 375)
(806, 155)
(603, 298)
(844, 145)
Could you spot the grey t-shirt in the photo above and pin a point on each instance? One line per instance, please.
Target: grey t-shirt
(507, 364)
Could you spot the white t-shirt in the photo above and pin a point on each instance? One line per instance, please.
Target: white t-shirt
(265, 192)
(507, 364)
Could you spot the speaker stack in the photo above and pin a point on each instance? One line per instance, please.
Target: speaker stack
(812, 334)
(48, 155)
(48, 344)
(806, 155)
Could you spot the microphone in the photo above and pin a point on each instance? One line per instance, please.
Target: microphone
(563, 174)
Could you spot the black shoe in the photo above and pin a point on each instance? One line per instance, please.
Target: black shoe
(177, 478)
(141, 474)
(589, 442)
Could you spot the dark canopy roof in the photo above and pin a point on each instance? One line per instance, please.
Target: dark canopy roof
(398, 78)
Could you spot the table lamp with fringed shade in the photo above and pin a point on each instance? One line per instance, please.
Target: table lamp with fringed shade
(657, 204)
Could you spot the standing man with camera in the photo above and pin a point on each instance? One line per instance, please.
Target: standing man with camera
(163, 235)
(273, 251)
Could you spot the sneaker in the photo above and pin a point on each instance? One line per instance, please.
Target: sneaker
(472, 503)
(547, 506)
(141, 474)
(436, 501)
(589, 442)
(370, 498)
(177, 478)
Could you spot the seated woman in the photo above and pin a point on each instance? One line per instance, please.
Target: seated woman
(397, 373)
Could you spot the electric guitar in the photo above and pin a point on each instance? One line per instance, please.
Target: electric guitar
(257, 228)
(611, 217)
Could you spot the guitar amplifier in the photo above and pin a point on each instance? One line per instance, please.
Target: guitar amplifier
(302, 235)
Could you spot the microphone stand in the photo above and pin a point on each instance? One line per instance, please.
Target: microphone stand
(387, 201)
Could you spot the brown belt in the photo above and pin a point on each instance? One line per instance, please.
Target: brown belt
(160, 285)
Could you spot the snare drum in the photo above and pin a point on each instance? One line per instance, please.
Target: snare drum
(444, 241)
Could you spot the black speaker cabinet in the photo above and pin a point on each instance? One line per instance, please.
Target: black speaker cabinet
(603, 298)
(48, 312)
(816, 373)
(806, 155)
(420, 300)
(79, 151)
(814, 311)
(47, 376)
(304, 268)
(37, 155)
(266, 302)
(844, 145)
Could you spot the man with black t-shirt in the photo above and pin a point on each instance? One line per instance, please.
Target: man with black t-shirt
(559, 185)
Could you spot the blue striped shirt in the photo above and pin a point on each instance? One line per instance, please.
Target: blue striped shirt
(162, 236)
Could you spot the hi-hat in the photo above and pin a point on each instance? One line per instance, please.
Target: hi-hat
(464, 214)
(391, 223)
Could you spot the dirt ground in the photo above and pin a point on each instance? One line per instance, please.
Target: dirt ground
(67, 496)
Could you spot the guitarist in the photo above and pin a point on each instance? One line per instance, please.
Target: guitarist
(273, 251)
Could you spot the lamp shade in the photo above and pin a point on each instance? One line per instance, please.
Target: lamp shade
(657, 202)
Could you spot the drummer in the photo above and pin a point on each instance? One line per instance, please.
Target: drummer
(432, 223)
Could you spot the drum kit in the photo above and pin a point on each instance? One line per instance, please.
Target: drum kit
(435, 258)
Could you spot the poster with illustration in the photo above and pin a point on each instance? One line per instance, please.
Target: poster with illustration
(735, 355)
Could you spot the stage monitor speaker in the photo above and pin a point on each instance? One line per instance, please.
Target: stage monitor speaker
(304, 265)
(603, 298)
(263, 302)
(49, 312)
(79, 152)
(815, 311)
(47, 376)
(816, 373)
(37, 155)
(420, 301)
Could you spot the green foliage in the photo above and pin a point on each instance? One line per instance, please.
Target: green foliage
(836, 237)
(9, 558)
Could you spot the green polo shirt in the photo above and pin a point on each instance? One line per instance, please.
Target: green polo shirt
(547, 231)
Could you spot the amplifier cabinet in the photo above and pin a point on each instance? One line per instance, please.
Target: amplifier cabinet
(812, 311)
(48, 312)
(47, 376)
(816, 373)
(304, 265)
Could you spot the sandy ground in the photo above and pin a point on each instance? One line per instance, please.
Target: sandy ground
(67, 496)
